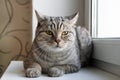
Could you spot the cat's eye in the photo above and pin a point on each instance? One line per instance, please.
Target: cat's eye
(64, 32)
(49, 32)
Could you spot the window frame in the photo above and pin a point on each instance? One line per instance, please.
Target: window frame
(108, 62)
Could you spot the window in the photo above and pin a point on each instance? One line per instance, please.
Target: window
(106, 18)
(105, 29)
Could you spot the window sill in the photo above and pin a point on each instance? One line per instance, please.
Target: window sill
(15, 71)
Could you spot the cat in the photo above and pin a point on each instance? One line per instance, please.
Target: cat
(59, 47)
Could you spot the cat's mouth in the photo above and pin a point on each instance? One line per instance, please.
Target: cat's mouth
(58, 46)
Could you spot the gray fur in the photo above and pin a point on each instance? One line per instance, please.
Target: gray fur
(59, 47)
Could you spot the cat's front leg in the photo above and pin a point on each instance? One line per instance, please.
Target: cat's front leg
(55, 72)
(60, 70)
(32, 69)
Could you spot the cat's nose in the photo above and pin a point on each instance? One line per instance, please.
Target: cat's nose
(57, 40)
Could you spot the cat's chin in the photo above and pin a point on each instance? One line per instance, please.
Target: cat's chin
(57, 49)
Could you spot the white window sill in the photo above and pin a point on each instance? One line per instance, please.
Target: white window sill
(15, 71)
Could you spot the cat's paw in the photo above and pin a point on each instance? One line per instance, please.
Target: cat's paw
(55, 72)
(33, 72)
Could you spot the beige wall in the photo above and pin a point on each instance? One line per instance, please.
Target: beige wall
(15, 30)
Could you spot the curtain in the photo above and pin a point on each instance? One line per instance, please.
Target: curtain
(15, 30)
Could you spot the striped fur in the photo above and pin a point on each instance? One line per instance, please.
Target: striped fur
(59, 47)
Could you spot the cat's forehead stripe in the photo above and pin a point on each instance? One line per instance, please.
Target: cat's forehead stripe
(53, 25)
(56, 23)
(61, 25)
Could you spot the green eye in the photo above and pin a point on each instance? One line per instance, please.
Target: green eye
(49, 32)
(64, 32)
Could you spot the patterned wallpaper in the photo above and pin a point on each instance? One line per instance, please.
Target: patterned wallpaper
(15, 30)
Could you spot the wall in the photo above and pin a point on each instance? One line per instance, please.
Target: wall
(15, 30)
(58, 8)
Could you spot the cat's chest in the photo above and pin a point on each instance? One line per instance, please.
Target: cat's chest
(55, 59)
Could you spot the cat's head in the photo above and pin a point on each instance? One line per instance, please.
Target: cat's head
(56, 33)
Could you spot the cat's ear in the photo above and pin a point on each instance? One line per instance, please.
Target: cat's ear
(40, 17)
(73, 18)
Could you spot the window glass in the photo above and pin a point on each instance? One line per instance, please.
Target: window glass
(106, 18)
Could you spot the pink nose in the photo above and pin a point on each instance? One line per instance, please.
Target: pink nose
(57, 40)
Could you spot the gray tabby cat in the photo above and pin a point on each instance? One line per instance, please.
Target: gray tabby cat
(59, 47)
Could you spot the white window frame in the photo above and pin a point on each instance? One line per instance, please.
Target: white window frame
(106, 50)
